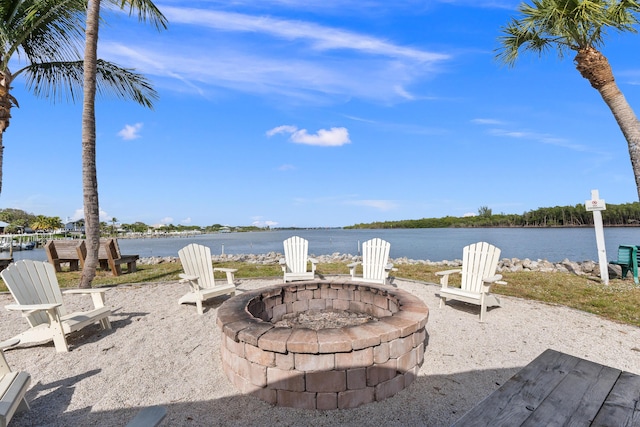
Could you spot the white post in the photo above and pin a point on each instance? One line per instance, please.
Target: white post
(596, 205)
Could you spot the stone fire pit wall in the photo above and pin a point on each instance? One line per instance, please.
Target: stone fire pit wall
(329, 368)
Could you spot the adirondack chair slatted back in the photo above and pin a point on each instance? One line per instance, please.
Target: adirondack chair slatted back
(296, 254)
(33, 282)
(625, 254)
(196, 261)
(375, 256)
(479, 261)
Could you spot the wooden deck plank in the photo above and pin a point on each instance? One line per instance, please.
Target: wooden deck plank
(516, 399)
(560, 389)
(622, 404)
(578, 397)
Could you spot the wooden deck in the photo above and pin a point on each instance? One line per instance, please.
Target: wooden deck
(559, 389)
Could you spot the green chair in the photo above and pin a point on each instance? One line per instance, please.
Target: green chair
(628, 260)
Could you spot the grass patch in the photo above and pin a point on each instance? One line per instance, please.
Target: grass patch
(619, 301)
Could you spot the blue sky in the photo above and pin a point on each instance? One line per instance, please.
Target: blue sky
(327, 113)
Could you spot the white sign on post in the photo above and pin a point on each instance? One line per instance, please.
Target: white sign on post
(597, 205)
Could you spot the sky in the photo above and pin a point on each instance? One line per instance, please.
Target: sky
(326, 113)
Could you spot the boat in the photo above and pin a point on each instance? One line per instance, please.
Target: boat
(27, 246)
(6, 245)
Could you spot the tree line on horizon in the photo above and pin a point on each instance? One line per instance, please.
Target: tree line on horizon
(19, 220)
(627, 214)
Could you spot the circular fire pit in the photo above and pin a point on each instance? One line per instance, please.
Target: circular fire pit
(343, 365)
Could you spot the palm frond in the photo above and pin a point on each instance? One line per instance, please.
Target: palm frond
(42, 30)
(63, 81)
(147, 11)
(565, 24)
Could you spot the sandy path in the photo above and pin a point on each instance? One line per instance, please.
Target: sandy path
(159, 352)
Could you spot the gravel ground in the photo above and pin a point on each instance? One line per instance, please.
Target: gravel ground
(162, 353)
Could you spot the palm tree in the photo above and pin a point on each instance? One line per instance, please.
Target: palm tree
(146, 9)
(113, 225)
(579, 26)
(43, 33)
(41, 222)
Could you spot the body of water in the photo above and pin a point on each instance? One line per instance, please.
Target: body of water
(435, 244)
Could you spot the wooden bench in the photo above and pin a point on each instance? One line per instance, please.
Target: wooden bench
(13, 387)
(628, 261)
(110, 257)
(559, 389)
(64, 251)
(74, 252)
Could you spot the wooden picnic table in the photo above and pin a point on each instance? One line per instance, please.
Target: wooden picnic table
(560, 389)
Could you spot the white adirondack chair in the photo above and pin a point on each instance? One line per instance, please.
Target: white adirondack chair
(479, 264)
(375, 262)
(13, 386)
(34, 286)
(296, 258)
(198, 273)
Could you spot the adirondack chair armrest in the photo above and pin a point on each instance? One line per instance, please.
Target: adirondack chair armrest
(191, 280)
(352, 267)
(492, 279)
(97, 295)
(314, 264)
(488, 281)
(283, 264)
(230, 272)
(32, 308)
(86, 291)
(187, 277)
(9, 343)
(444, 280)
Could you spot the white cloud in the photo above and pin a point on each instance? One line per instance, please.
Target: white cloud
(166, 220)
(130, 131)
(382, 205)
(260, 223)
(468, 214)
(281, 129)
(186, 221)
(540, 137)
(320, 37)
(79, 214)
(334, 137)
(266, 55)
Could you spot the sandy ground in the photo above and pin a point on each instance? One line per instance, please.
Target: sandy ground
(162, 353)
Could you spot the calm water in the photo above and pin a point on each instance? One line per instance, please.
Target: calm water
(435, 244)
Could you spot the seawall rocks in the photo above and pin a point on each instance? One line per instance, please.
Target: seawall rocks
(587, 268)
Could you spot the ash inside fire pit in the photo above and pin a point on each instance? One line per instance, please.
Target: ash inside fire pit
(324, 319)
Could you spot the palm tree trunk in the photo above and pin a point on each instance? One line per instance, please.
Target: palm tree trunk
(5, 113)
(595, 67)
(89, 172)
